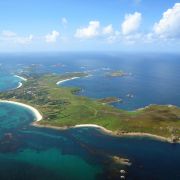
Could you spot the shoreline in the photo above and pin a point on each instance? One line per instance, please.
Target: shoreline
(145, 107)
(22, 78)
(62, 81)
(128, 134)
(39, 117)
(36, 113)
(19, 85)
(108, 132)
(95, 126)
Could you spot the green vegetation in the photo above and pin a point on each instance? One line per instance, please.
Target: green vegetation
(61, 107)
(119, 73)
(109, 100)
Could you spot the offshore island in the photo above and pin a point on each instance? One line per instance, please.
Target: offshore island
(118, 73)
(60, 108)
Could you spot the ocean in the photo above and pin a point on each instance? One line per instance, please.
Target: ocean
(32, 153)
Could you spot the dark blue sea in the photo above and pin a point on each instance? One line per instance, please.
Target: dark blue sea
(29, 153)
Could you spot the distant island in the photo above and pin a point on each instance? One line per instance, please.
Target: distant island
(118, 73)
(61, 108)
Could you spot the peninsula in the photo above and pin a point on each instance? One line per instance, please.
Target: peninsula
(110, 100)
(61, 108)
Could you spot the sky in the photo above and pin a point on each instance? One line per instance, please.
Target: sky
(91, 25)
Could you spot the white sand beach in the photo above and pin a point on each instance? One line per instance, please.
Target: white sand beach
(19, 85)
(62, 81)
(140, 134)
(118, 134)
(133, 134)
(93, 125)
(22, 78)
(35, 111)
(39, 117)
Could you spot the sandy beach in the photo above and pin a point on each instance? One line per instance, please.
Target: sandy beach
(118, 134)
(62, 81)
(38, 117)
(35, 111)
(93, 125)
(22, 78)
(135, 134)
(19, 85)
(124, 134)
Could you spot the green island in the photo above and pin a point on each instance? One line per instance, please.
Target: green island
(119, 73)
(109, 100)
(62, 108)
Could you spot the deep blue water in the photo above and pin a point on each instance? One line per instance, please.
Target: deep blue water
(36, 153)
(154, 79)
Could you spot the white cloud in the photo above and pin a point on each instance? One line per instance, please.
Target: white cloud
(7, 33)
(165, 31)
(131, 23)
(133, 38)
(92, 30)
(12, 37)
(25, 40)
(64, 21)
(52, 37)
(169, 25)
(108, 30)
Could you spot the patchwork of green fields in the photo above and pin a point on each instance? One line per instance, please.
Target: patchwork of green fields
(61, 107)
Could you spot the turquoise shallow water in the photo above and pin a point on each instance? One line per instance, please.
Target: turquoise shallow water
(33, 153)
(16, 148)
(36, 153)
(57, 164)
(8, 82)
(13, 117)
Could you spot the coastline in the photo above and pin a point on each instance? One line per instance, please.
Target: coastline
(38, 116)
(141, 134)
(19, 85)
(22, 78)
(95, 126)
(108, 132)
(145, 107)
(62, 81)
(128, 134)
